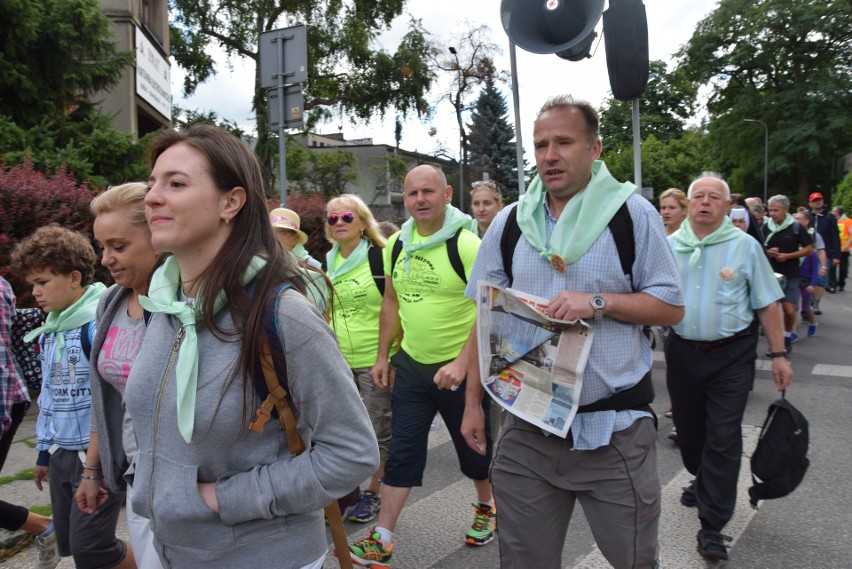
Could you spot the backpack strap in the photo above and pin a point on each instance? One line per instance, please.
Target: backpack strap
(636, 398)
(508, 241)
(274, 367)
(377, 269)
(395, 252)
(621, 227)
(86, 339)
(452, 253)
(274, 390)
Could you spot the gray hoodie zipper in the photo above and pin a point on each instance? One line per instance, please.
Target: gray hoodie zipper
(169, 365)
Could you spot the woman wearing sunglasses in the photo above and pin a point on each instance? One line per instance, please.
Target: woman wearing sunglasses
(357, 306)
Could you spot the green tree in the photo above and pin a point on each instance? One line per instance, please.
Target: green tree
(843, 195)
(666, 105)
(789, 64)
(347, 73)
(470, 63)
(185, 118)
(54, 54)
(329, 172)
(672, 164)
(492, 141)
(84, 143)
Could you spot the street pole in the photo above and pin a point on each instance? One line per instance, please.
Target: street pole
(519, 147)
(765, 156)
(282, 126)
(461, 131)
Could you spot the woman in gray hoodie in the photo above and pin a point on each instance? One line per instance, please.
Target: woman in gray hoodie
(218, 494)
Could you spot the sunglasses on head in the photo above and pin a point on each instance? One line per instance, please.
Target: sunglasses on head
(346, 217)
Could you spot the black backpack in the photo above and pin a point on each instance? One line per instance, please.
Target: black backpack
(780, 459)
(621, 227)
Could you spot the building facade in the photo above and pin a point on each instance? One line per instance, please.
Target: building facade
(141, 102)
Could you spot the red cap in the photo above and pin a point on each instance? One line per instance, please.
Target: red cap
(814, 197)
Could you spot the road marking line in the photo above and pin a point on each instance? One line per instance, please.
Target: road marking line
(679, 524)
(826, 369)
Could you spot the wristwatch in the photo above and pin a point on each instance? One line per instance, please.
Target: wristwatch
(598, 303)
(773, 355)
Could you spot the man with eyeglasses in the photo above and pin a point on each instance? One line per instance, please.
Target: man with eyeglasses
(424, 299)
(710, 354)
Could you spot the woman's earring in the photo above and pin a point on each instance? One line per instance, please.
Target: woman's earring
(227, 220)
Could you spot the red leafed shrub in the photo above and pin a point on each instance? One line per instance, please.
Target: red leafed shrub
(311, 210)
(30, 199)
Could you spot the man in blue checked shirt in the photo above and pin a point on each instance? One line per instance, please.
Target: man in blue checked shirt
(567, 253)
(710, 354)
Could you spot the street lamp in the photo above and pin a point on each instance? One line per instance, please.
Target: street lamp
(765, 155)
(461, 131)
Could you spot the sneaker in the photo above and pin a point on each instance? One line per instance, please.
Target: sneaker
(794, 337)
(673, 434)
(369, 552)
(48, 551)
(687, 498)
(711, 545)
(366, 508)
(788, 344)
(812, 330)
(484, 525)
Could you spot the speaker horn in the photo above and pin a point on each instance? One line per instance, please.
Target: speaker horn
(563, 27)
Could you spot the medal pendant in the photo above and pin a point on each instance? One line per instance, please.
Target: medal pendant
(558, 263)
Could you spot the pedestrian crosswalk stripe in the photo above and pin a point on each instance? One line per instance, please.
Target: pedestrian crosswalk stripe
(826, 369)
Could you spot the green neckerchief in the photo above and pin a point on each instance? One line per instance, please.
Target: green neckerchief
(75, 316)
(453, 221)
(163, 297)
(300, 251)
(474, 227)
(582, 220)
(355, 259)
(690, 243)
(775, 228)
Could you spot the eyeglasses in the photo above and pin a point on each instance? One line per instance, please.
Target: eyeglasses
(345, 217)
(483, 184)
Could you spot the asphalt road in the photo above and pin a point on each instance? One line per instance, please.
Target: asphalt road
(808, 529)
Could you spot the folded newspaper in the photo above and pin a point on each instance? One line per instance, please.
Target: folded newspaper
(531, 364)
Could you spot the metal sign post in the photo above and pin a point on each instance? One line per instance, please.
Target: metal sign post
(283, 67)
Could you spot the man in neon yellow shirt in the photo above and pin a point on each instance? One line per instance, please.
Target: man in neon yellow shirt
(424, 299)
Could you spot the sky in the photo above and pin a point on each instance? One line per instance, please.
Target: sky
(670, 25)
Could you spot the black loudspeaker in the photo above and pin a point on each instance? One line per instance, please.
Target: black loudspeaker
(626, 37)
(563, 27)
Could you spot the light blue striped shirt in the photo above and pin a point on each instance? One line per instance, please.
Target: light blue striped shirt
(620, 353)
(731, 280)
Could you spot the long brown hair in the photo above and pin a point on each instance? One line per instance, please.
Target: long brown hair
(232, 163)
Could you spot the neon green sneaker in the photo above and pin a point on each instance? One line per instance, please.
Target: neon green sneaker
(484, 525)
(369, 552)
